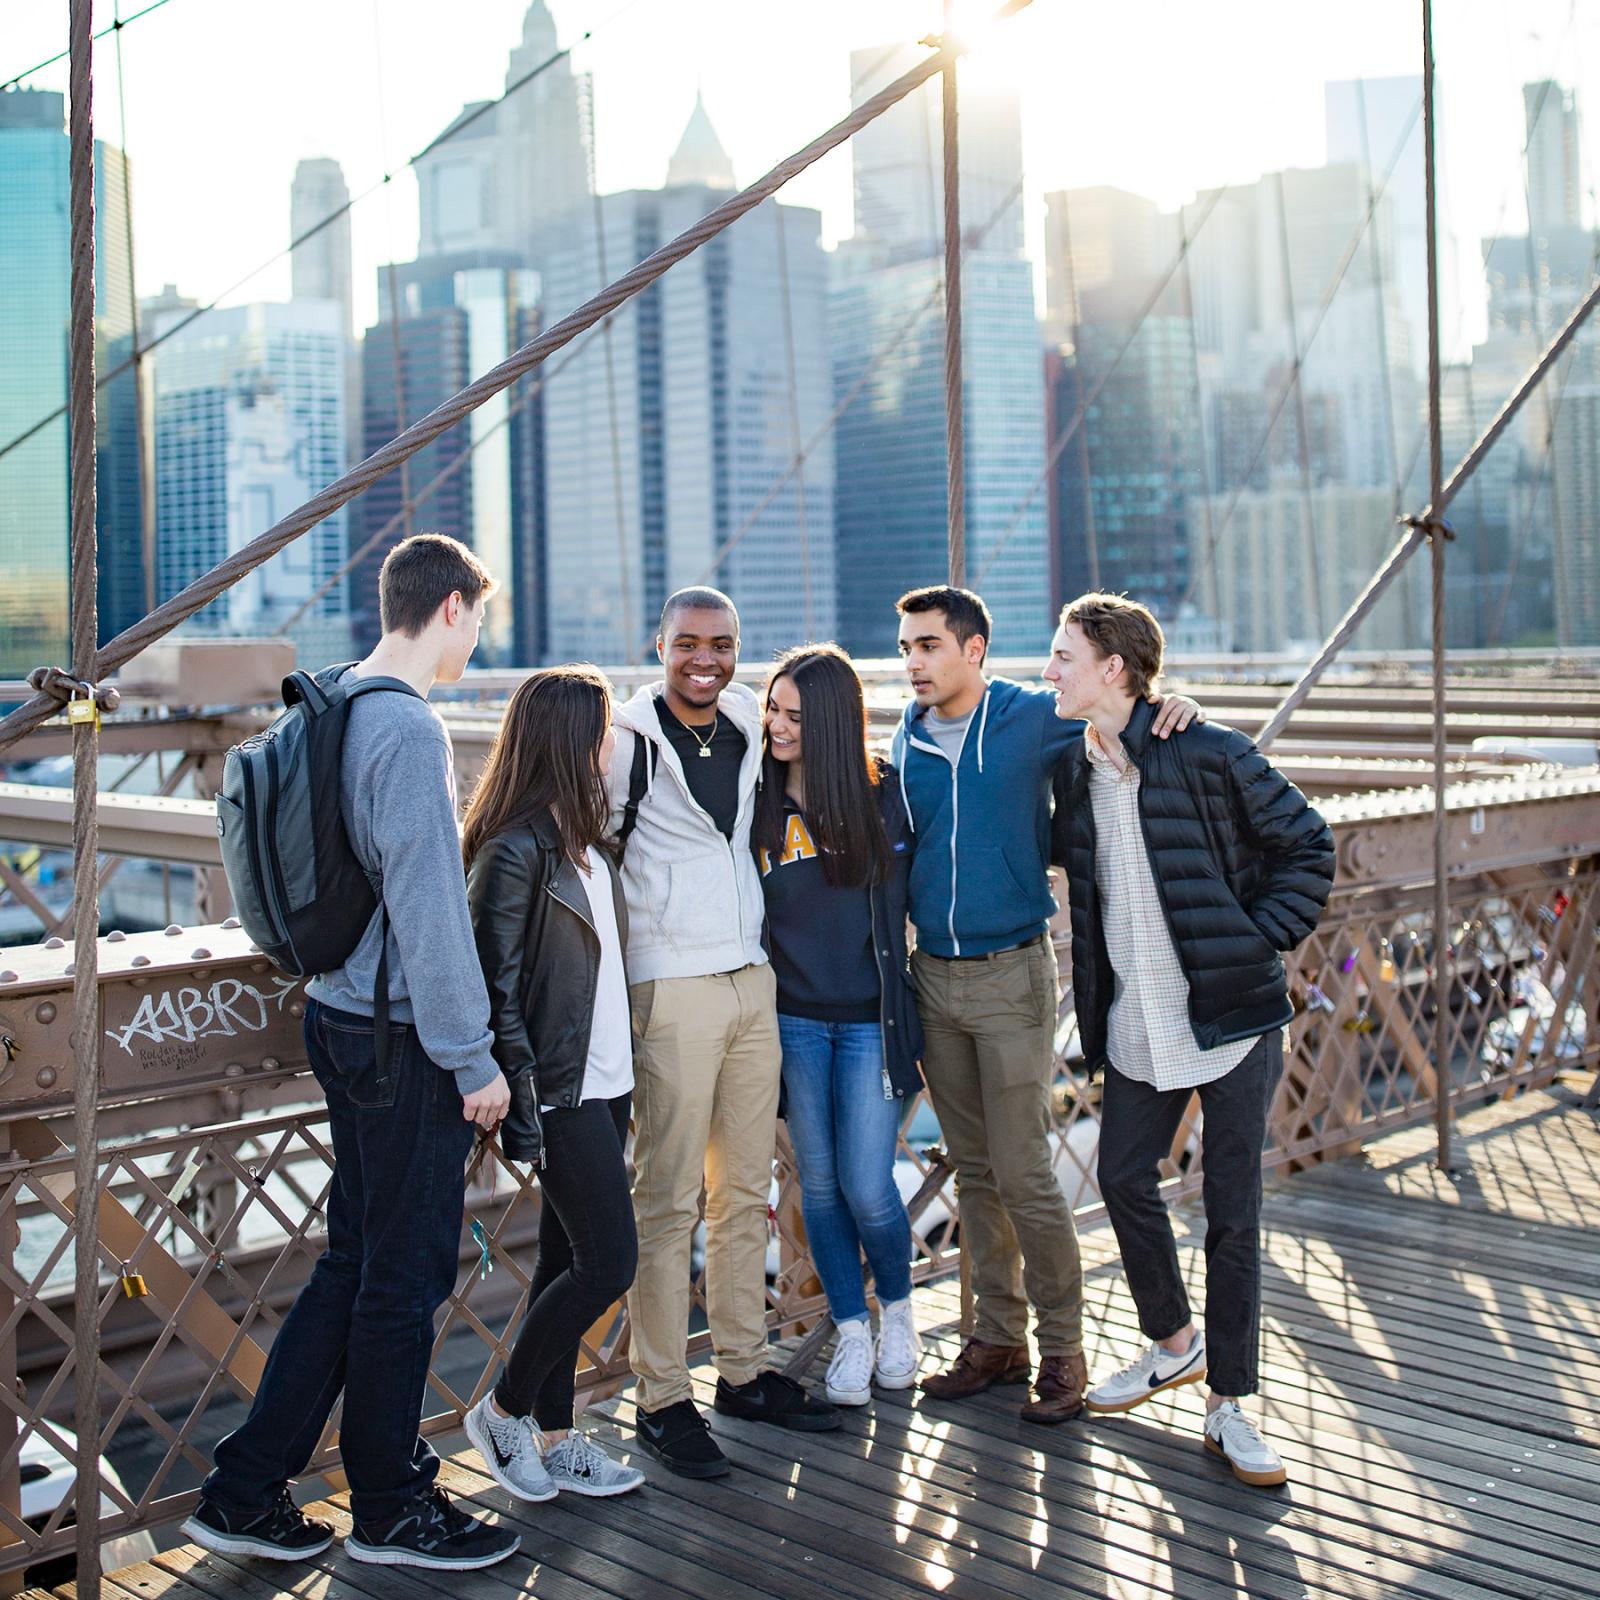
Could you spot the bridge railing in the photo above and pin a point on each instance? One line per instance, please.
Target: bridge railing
(214, 1165)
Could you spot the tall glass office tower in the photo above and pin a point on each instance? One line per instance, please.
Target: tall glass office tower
(34, 330)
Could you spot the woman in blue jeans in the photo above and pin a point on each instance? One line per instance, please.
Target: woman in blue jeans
(834, 847)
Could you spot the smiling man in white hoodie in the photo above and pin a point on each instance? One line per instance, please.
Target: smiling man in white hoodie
(705, 1023)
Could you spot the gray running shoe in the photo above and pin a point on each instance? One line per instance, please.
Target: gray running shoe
(512, 1449)
(579, 1466)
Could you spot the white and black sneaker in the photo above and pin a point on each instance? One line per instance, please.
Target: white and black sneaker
(1157, 1369)
(1233, 1436)
(577, 1465)
(280, 1533)
(512, 1449)
(431, 1532)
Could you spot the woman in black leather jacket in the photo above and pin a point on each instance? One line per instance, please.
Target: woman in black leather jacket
(551, 927)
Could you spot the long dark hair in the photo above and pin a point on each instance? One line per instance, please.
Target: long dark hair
(841, 776)
(547, 754)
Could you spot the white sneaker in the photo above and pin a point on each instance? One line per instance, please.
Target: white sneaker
(1157, 1369)
(849, 1380)
(1233, 1436)
(899, 1346)
(579, 1466)
(512, 1449)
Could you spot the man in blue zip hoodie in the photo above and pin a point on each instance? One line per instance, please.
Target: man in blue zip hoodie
(976, 757)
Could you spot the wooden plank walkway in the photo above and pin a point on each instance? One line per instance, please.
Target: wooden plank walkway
(1432, 1379)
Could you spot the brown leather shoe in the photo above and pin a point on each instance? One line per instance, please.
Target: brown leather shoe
(978, 1366)
(1060, 1387)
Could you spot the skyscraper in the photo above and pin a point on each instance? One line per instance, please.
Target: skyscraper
(34, 329)
(457, 316)
(891, 445)
(1555, 159)
(320, 268)
(666, 438)
(892, 501)
(249, 409)
(1094, 239)
(509, 178)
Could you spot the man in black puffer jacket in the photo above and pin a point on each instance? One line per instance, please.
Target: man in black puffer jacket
(1192, 864)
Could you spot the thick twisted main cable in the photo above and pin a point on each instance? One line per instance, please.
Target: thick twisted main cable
(85, 812)
(225, 574)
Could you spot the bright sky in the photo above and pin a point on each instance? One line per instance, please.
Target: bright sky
(1159, 96)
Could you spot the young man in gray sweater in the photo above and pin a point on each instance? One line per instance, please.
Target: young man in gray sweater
(401, 1133)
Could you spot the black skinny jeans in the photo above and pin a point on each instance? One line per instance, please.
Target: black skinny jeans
(1137, 1127)
(588, 1252)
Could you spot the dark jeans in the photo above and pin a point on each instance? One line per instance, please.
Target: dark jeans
(364, 1321)
(1137, 1127)
(588, 1252)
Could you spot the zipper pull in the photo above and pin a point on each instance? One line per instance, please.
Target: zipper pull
(888, 1087)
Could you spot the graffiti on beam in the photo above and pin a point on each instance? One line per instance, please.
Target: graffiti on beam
(181, 1016)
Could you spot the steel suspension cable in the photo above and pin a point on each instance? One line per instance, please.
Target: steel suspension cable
(206, 588)
(117, 25)
(1438, 532)
(85, 811)
(785, 296)
(955, 429)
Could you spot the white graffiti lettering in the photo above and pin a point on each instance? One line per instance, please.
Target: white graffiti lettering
(228, 1008)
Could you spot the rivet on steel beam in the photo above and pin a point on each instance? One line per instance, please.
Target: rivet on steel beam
(45, 1077)
(140, 961)
(55, 944)
(230, 922)
(172, 930)
(116, 936)
(8, 976)
(296, 1009)
(270, 1063)
(46, 1009)
(259, 966)
(202, 954)
(69, 969)
(233, 1070)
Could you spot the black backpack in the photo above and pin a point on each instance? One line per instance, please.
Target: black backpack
(298, 888)
(644, 750)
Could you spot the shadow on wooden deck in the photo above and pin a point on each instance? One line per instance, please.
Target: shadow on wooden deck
(1432, 1379)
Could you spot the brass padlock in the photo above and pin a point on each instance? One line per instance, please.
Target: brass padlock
(133, 1282)
(79, 711)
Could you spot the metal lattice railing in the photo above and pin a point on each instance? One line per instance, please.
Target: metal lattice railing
(219, 1221)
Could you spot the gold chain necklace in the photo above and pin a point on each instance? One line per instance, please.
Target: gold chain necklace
(705, 744)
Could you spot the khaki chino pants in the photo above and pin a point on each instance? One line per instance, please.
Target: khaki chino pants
(989, 1059)
(707, 1064)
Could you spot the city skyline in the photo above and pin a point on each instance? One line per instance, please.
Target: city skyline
(381, 86)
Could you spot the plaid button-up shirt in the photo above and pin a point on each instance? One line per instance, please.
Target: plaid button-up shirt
(1148, 1036)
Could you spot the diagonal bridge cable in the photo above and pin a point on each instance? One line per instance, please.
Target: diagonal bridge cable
(105, 33)
(455, 128)
(342, 490)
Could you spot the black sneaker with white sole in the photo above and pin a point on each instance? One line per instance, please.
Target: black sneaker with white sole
(771, 1397)
(280, 1533)
(431, 1532)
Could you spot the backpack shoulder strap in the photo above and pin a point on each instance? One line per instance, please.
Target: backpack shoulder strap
(645, 756)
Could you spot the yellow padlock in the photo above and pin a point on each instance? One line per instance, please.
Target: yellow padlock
(83, 711)
(133, 1283)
